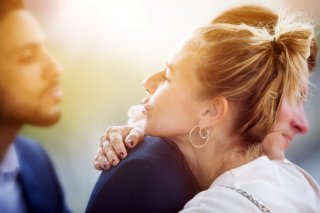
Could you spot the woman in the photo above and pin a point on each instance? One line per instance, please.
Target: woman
(221, 91)
(291, 115)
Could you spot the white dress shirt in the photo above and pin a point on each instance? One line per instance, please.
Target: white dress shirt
(11, 199)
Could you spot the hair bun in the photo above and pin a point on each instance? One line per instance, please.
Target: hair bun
(276, 48)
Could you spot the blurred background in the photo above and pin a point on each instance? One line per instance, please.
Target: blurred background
(107, 47)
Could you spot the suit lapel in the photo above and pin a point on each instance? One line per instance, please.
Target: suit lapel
(25, 195)
(27, 179)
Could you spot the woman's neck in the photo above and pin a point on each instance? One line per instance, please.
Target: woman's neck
(214, 159)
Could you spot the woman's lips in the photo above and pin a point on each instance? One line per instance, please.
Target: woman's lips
(145, 108)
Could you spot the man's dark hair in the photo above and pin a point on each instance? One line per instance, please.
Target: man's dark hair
(7, 6)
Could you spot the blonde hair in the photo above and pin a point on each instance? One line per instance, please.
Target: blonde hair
(254, 67)
(252, 15)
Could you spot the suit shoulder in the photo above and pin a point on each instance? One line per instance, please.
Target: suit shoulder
(157, 150)
(137, 185)
(154, 173)
(31, 152)
(38, 177)
(135, 169)
(27, 143)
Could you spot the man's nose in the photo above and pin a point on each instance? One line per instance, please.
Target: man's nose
(55, 66)
(51, 66)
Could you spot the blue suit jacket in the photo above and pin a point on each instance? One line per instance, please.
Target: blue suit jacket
(153, 178)
(37, 178)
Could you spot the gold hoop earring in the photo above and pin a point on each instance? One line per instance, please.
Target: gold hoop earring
(204, 136)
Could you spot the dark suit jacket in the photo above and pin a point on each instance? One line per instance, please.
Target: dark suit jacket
(154, 177)
(37, 178)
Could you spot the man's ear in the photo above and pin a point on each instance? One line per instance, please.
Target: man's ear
(214, 111)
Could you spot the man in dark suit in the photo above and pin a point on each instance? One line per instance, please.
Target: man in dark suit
(29, 94)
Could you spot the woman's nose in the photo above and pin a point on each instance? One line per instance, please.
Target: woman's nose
(151, 83)
(300, 122)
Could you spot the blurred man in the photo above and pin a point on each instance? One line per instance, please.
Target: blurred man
(29, 94)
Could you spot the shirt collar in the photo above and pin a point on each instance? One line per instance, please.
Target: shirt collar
(10, 164)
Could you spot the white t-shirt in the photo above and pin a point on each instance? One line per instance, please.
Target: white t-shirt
(280, 186)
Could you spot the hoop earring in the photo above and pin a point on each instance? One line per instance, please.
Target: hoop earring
(204, 136)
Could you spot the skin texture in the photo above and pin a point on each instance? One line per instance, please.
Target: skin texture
(29, 81)
(172, 101)
(290, 121)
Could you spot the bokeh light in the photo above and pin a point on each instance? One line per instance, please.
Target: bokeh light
(107, 47)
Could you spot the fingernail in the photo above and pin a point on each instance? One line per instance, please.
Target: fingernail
(106, 166)
(122, 155)
(113, 162)
(130, 142)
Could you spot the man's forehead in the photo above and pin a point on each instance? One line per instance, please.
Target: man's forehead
(19, 30)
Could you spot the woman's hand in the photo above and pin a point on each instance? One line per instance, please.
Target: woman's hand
(113, 144)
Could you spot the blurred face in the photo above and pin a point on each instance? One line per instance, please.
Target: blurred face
(29, 86)
(172, 107)
(291, 121)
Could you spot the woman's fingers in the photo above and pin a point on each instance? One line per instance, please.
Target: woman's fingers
(109, 153)
(100, 161)
(112, 146)
(134, 137)
(115, 136)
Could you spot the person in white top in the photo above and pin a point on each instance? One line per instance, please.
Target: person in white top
(229, 160)
(277, 186)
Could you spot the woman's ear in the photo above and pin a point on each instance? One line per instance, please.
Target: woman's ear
(215, 111)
